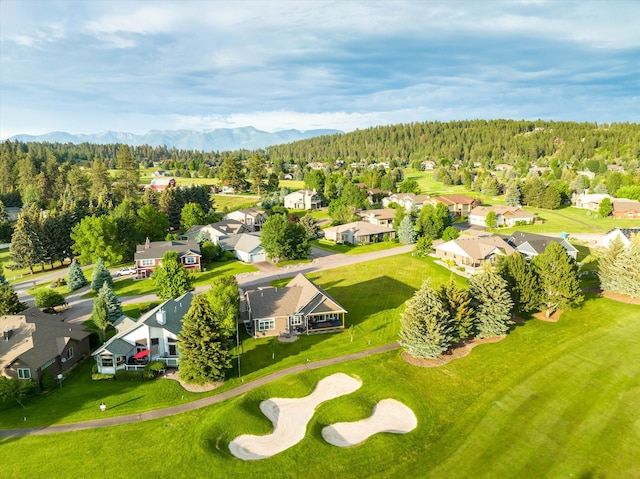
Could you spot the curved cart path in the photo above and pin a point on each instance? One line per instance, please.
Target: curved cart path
(200, 403)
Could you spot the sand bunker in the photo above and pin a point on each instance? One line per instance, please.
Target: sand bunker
(290, 418)
(389, 415)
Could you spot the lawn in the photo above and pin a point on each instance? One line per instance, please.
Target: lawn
(17, 276)
(435, 188)
(233, 203)
(551, 400)
(350, 249)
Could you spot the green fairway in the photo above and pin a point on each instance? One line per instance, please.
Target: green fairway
(550, 400)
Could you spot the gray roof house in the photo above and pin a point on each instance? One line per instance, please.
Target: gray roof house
(359, 232)
(623, 233)
(473, 252)
(34, 342)
(154, 336)
(245, 247)
(215, 231)
(530, 244)
(299, 307)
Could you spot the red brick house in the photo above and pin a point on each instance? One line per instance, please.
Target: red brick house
(149, 255)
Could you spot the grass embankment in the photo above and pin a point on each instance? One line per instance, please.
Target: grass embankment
(550, 400)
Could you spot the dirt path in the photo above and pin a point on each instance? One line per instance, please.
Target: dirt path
(200, 403)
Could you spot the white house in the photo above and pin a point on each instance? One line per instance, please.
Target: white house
(623, 233)
(215, 231)
(505, 215)
(245, 246)
(152, 337)
(588, 201)
(303, 200)
(380, 217)
(530, 244)
(359, 232)
(252, 218)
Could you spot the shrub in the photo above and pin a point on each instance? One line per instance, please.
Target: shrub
(102, 377)
(48, 382)
(48, 299)
(155, 366)
(141, 375)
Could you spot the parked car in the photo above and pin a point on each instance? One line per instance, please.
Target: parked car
(127, 271)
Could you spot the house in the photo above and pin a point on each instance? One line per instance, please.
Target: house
(299, 307)
(154, 336)
(623, 233)
(530, 244)
(252, 218)
(459, 205)
(359, 232)
(12, 213)
(159, 173)
(161, 184)
(381, 217)
(408, 201)
(588, 201)
(214, 231)
(34, 342)
(244, 246)
(149, 255)
(587, 174)
(505, 215)
(375, 195)
(303, 200)
(428, 165)
(473, 252)
(629, 209)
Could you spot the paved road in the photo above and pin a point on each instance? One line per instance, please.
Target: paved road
(200, 403)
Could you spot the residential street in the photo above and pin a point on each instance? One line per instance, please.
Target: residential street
(80, 308)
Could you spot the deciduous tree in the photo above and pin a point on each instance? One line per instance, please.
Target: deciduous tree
(171, 279)
(48, 298)
(223, 299)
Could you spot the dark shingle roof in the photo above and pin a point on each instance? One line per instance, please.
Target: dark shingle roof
(157, 249)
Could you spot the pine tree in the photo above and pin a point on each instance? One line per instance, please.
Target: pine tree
(3, 280)
(606, 265)
(458, 302)
(204, 349)
(26, 248)
(626, 269)
(559, 281)
(114, 308)
(523, 282)
(491, 303)
(100, 316)
(513, 196)
(310, 225)
(100, 276)
(406, 233)
(9, 302)
(171, 279)
(76, 278)
(425, 330)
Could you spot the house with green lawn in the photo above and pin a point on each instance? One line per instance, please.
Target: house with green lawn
(154, 336)
(298, 308)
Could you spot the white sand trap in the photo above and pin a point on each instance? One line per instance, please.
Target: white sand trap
(389, 415)
(290, 418)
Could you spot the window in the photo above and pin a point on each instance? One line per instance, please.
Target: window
(146, 262)
(190, 260)
(69, 353)
(173, 350)
(120, 360)
(296, 320)
(47, 364)
(24, 373)
(106, 361)
(266, 324)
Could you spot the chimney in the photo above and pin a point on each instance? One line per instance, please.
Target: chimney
(147, 243)
(161, 317)
(7, 333)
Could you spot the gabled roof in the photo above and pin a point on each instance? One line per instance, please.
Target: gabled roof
(627, 232)
(477, 247)
(360, 228)
(247, 212)
(511, 211)
(174, 310)
(538, 243)
(225, 227)
(300, 296)
(453, 199)
(626, 205)
(36, 337)
(157, 249)
(244, 242)
(380, 214)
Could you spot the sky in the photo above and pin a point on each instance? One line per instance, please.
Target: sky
(92, 66)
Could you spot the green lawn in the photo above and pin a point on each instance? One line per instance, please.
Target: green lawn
(434, 188)
(551, 400)
(350, 249)
(232, 203)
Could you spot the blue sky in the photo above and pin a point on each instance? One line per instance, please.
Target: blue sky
(92, 66)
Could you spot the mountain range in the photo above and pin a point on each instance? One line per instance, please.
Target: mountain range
(219, 139)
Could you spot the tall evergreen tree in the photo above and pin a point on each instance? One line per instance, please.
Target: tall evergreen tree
(559, 280)
(128, 172)
(310, 225)
(9, 302)
(425, 330)
(607, 271)
(626, 269)
(100, 316)
(458, 302)
(204, 348)
(26, 246)
(513, 196)
(491, 303)
(100, 276)
(406, 233)
(522, 279)
(114, 307)
(171, 279)
(76, 278)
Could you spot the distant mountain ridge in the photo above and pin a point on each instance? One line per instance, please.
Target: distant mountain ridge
(218, 139)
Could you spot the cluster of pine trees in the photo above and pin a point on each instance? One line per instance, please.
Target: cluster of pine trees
(434, 320)
(619, 268)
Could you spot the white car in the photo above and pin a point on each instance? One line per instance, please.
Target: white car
(127, 271)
